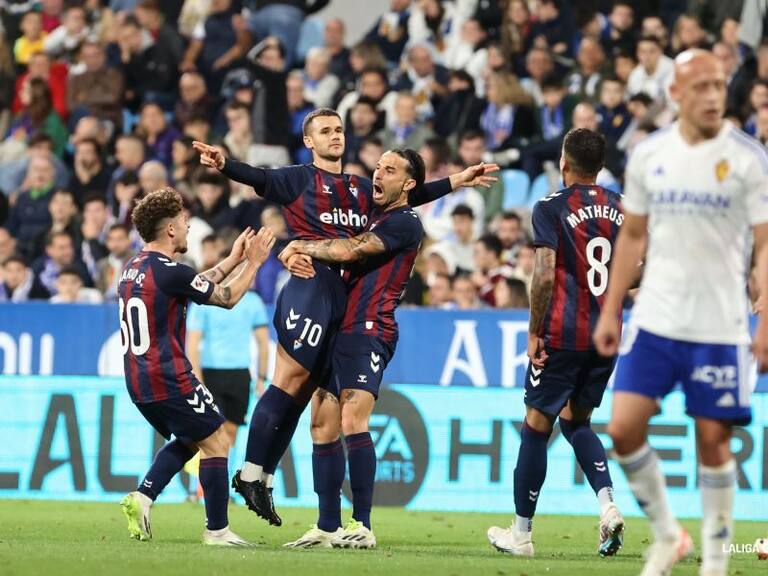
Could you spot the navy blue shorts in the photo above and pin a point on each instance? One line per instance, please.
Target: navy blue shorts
(717, 379)
(577, 375)
(189, 418)
(358, 362)
(307, 316)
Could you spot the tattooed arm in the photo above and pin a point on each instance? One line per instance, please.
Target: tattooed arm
(224, 268)
(541, 293)
(340, 251)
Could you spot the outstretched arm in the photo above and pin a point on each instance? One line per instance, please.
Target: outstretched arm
(338, 251)
(257, 248)
(471, 177)
(212, 157)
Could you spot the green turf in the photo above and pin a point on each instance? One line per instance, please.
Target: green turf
(45, 537)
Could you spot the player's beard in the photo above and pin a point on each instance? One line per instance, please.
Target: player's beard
(332, 156)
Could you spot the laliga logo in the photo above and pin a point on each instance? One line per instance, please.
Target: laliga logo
(402, 450)
(344, 218)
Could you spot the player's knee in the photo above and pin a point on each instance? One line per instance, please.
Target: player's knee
(216, 445)
(324, 429)
(353, 423)
(570, 427)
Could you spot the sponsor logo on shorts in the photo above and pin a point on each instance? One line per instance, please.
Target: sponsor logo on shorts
(718, 377)
(362, 379)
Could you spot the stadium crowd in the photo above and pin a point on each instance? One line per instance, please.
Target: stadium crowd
(100, 102)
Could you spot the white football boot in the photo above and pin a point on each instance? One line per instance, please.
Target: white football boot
(223, 537)
(314, 538)
(136, 508)
(355, 535)
(510, 541)
(664, 554)
(611, 531)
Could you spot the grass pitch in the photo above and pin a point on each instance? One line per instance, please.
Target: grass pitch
(51, 538)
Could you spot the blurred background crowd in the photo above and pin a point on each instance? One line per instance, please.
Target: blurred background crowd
(100, 102)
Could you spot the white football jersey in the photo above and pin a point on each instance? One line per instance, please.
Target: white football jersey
(700, 201)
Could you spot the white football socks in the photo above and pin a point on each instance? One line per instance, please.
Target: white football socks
(648, 486)
(717, 486)
(250, 472)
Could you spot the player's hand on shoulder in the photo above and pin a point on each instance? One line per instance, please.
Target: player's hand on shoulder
(238, 248)
(210, 156)
(259, 246)
(536, 352)
(607, 335)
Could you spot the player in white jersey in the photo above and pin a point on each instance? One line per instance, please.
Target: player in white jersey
(692, 192)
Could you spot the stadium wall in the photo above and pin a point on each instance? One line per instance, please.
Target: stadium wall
(450, 447)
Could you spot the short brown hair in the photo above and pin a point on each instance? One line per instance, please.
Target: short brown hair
(320, 112)
(153, 209)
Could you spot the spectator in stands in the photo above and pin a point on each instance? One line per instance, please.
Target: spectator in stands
(62, 209)
(150, 16)
(460, 109)
(713, 13)
(624, 64)
(465, 295)
(153, 175)
(461, 241)
(212, 203)
(7, 78)
(761, 124)
(363, 56)
(38, 115)
(370, 151)
(14, 173)
(148, 66)
(620, 35)
(758, 97)
(583, 82)
(507, 120)
(94, 230)
(89, 128)
(64, 42)
(472, 151)
(511, 234)
(408, 131)
(655, 71)
(524, 264)
(218, 44)
(272, 275)
(19, 283)
(688, 34)
(32, 38)
(51, 11)
(470, 53)
(551, 29)
(333, 40)
(130, 153)
(511, 293)
(111, 266)
(239, 136)
(7, 244)
(70, 289)
(373, 84)
(489, 267)
(654, 26)
(613, 112)
(198, 128)
(440, 295)
(282, 19)
(434, 22)
(159, 135)
(436, 153)
(320, 85)
(195, 98)
(390, 31)
(126, 195)
(362, 122)
(436, 216)
(29, 216)
(98, 89)
(59, 254)
(299, 108)
(425, 79)
(90, 174)
(186, 167)
(516, 37)
(55, 76)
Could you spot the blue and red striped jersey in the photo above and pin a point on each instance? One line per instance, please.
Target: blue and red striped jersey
(376, 285)
(580, 224)
(319, 204)
(153, 295)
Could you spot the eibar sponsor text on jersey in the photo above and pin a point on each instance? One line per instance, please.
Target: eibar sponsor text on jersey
(344, 218)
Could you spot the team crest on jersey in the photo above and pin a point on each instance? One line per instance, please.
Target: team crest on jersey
(722, 169)
(353, 189)
(297, 344)
(327, 189)
(200, 284)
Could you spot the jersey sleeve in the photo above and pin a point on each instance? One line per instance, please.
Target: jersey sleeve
(635, 199)
(430, 191)
(756, 182)
(181, 281)
(544, 226)
(280, 185)
(400, 231)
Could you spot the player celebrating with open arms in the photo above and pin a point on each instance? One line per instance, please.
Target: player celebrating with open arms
(319, 202)
(693, 190)
(154, 292)
(377, 265)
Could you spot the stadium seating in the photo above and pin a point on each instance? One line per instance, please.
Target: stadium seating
(516, 184)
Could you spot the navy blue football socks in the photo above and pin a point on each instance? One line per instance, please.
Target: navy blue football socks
(215, 482)
(169, 461)
(267, 423)
(328, 467)
(530, 471)
(362, 474)
(283, 436)
(589, 452)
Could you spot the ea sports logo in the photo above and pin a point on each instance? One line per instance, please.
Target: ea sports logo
(402, 450)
